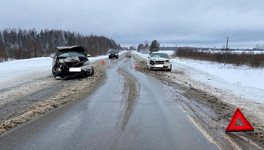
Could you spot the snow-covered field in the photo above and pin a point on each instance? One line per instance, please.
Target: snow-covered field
(242, 81)
(41, 65)
(16, 68)
(233, 51)
(169, 52)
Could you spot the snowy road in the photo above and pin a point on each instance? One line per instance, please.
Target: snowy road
(29, 83)
(130, 110)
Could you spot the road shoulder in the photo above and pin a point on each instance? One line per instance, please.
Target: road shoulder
(208, 108)
(60, 93)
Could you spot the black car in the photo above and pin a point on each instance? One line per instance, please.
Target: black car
(113, 54)
(71, 61)
(128, 54)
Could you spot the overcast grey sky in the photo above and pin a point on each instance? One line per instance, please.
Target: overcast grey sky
(182, 22)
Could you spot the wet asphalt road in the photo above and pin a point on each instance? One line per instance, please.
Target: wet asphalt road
(130, 110)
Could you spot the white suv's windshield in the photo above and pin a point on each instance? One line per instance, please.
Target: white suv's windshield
(163, 55)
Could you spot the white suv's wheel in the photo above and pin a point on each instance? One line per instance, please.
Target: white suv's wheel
(170, 68)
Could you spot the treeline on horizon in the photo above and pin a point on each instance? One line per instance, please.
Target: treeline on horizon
(20, 44)
(250, 59)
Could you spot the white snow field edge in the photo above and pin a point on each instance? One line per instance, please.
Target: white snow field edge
(15, 68)
(242, 81)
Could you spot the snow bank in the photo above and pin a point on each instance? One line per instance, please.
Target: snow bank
(233, 51)
(242, 75)
(242, 81)
(169, 52)
(92, 59)
(141, 55)
(16, 68)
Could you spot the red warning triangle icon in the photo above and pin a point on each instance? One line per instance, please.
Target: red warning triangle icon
(232, 127)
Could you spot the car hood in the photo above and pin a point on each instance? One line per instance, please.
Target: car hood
(158, 59)
(75, 48)
(70, 59)
(73, 61)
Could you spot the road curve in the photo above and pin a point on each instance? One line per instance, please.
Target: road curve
(130, 110)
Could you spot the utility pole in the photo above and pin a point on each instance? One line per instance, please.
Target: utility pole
(226, 50)
(227, 43)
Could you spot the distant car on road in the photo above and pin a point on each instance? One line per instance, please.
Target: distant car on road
(113, 54)
(71, 61)
(128, 54)
(159, 61)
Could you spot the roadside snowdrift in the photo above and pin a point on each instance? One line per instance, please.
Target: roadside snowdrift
(17, 68)
(242, 81)
(230, 86)
(28, 89)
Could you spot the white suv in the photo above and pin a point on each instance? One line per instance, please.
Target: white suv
(159, 61)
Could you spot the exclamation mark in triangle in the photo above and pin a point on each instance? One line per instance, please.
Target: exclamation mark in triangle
(239, 122)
